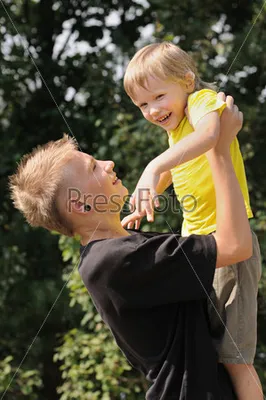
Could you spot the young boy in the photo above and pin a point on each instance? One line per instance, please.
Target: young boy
(163, 82)
(151, 289)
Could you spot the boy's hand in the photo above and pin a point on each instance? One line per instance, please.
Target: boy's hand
(231, 123)
(143, 198)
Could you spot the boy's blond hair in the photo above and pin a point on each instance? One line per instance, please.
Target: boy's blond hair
(36, 183)
(165, 61)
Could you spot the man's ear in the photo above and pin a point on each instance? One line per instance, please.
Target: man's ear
(189, 81)
(80, 207)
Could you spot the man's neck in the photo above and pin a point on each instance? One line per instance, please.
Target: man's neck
(100, 233)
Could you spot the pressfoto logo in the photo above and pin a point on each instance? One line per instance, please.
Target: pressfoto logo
(114, 203)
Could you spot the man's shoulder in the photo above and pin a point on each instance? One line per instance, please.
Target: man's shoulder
(104, 261)
(101, 250)
(118, 247)
(114, 251)
(109, 256)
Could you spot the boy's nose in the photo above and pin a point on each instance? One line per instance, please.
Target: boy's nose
(154, 111)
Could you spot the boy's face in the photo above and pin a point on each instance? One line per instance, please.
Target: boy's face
(162, 103)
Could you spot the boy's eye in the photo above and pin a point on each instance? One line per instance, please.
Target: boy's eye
(159, 96)
(143, 105)
(94, 166)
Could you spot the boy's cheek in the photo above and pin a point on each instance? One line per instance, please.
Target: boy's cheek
(151, 120)
(146, 116)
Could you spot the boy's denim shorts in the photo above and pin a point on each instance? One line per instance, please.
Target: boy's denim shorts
(236, 288)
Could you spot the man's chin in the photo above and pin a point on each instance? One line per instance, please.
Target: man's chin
(125, 188)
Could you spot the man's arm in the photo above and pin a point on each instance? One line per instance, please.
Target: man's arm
(233, 235)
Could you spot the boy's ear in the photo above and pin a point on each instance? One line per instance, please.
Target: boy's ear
(189, 81)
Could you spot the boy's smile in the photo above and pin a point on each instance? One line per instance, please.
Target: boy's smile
(164, 119)
(161, 102)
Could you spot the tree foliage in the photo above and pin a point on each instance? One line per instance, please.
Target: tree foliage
(26, 381)
(62, 63)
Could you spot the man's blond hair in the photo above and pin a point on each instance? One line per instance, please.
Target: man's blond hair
(165, 61)
(36, 183)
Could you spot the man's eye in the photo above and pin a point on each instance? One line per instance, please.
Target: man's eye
(94, 166)
(143, 105)
(159, 96)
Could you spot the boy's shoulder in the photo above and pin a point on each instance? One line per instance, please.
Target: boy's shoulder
(203, 102)
(201, 95)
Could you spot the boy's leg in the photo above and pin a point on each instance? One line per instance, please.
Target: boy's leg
(236, 287)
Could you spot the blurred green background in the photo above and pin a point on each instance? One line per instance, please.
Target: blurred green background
(52, 343)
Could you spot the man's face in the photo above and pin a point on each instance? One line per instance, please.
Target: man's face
(162, 103)
(94, 182)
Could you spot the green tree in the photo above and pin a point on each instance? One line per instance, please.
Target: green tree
(72, 82)
(26, 381)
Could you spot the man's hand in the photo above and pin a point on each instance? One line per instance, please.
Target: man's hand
(231, 123)
(131, 220)
(143, 198)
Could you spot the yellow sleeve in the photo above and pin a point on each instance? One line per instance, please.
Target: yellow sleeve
(203, 102)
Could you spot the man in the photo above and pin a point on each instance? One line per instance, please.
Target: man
(151, 289)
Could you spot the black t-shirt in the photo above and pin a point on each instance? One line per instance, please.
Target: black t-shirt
(151, 290)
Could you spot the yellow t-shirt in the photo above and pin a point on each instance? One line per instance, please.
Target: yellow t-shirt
(193, 183)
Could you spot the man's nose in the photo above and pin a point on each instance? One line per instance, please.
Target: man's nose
(109, 166)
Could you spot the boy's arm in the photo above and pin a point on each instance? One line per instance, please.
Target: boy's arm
(204, 137)
(164, 182)
(135, 218)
